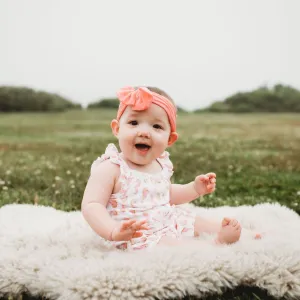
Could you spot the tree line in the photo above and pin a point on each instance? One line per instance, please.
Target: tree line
(279, 98)
(20, 99)
(114, 103)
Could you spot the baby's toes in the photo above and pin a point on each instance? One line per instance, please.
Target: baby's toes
(225, 222)
(234, 223)
(238, 227)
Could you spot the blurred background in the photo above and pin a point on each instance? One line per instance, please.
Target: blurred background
(232, 68)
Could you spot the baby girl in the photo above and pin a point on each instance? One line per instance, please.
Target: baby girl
(129, 198)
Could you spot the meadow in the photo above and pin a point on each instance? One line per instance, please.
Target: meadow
(45, 158)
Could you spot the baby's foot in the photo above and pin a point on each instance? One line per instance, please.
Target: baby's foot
(230, 231)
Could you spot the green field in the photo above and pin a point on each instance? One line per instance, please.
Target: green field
(46, 158)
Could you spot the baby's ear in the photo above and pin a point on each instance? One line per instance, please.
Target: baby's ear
(172, 138)
(115, 127)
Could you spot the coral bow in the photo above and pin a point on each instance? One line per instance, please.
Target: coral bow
(139, 99)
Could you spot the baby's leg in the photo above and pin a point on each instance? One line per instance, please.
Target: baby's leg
(228, 231)
(205, 225)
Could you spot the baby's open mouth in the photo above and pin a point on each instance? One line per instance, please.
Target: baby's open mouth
(142, 147)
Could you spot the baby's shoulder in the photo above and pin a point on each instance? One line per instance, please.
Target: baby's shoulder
(105, 168)
(165, 160)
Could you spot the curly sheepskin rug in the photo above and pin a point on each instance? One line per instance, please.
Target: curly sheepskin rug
(53, 253)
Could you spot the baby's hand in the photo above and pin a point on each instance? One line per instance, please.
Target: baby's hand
(127, 230)
(205, 184)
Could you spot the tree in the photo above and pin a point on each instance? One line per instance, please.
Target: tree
(280, 98)
(105, 103)
(19, 99)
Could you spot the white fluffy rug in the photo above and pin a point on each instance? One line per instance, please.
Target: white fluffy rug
(54, 253)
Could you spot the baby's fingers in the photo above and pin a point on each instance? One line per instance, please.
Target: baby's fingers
(203, 178)
(211, 186)
(128, 224)
(141, 225)
(211, 175)
(137, 234)
(144, 227)
(135, 225)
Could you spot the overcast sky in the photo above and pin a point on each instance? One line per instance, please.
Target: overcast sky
(197, 51)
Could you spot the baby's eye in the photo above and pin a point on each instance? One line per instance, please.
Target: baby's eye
(133, 122)
(157, 126)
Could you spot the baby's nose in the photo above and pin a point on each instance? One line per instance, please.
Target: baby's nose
(144, 133)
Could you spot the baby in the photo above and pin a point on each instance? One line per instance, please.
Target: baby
(129, 198)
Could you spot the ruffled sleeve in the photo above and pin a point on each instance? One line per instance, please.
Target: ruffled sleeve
(112, 153)
(166, 163)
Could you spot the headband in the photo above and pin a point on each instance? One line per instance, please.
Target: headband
(141, 99)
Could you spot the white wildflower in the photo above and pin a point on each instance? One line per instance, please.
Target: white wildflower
(57, 178)
(5, 188)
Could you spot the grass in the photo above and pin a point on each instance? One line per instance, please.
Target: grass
(45, 158)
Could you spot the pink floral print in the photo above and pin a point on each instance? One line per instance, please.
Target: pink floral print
(146, 196)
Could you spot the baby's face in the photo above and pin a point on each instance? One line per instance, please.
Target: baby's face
(144, 135)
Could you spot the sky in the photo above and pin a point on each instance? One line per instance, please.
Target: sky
(197, 51)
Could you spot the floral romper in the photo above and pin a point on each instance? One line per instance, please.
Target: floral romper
(146, 196)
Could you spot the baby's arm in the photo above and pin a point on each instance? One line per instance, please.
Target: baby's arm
(202, 185)
(182, 193)
(96, 195)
